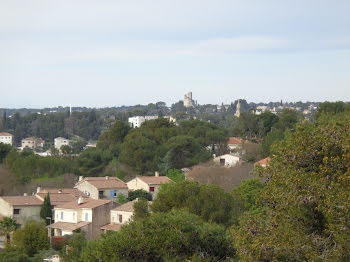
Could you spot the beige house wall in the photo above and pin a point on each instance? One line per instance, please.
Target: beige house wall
(69, 215)
(101, 217)
(94, 192)
(5, 208)
(126, 216)
(87, 187)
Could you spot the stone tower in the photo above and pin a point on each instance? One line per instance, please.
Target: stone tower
(188, 101)
(238, 109)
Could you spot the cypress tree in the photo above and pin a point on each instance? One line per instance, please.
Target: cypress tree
(46, 209)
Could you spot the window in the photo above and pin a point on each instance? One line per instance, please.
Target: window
(16, 211)
(73, 216)
(86, 216)
(120, 219)
(62, 215)
(151, 188)
(100, 194)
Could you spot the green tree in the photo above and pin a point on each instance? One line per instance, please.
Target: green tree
(272, 137)
(14, 256)
(331, 108)
(93, 161)
(175, 175)
(7, 226)
(141, 209)
(46, 209)
(66, 150)
(249, 191)
(4, 151)
(139, 193)
(306, 199)
(30, 239)
(162, 237)
(76, 243)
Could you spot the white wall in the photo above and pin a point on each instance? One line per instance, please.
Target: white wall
(6, 140)
(87, 187)
(126, 217)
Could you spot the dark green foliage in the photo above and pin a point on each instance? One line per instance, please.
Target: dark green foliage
(4, 151)
(76, 243)
(139, 194)
(113, 138)
(331, 108)
(26, 166)
(14, 256)
(209, 202)
(162, 237)
(46, 210)
(271, 138)
(92, 162)
(175, 175)
(141, 209)
(30, 239)
(249, 191)
(7, 226)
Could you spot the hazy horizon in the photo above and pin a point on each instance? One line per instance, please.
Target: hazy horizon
(113, 53)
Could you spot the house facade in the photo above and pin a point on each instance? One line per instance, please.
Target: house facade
(102, 187)
(32, 143)
(136, 121)
(87, 215)
(61, 141)
(6, 138)
(21, 208)
(235, 144)
(149, 184)
(227, 160)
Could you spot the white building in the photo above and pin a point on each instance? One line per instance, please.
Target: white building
(102, 187)
(227, 160)
(87, 215)
(6, 138)
(61, 141)
(149, 184)
(32, 143)
(136, 121)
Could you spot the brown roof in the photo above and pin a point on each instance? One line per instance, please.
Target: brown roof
(263, 161)
(68, 226)
(5, 134)
(155, 180)
(235, 141)
(22, 200)
(127, 207)
(104, 182)
(88, 203)
(58, 199)
(72, 191)
(112, 227)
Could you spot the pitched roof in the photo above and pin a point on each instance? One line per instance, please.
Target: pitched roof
(235, 141)
(58, 199)
(104, 182)
(127, 207)
(72, 191)
(5, 134)
(263, 162)
(87, 203)
(112, 227)
(155, 180)
(68, 226)
(22, 200)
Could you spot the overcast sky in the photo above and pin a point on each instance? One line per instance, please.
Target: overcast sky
(123, 52)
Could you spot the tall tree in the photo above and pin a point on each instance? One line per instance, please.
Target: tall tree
(7, 226)
(46, 209)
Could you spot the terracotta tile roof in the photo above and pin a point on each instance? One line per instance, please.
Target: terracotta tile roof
(155, 180)
(22, 200)
(58, 199)
(112, 227)
(68, 226)
(263, 162)
(104, 182)
(5, 134)
(88, 203)
(72, 191)
(235, 141)
(127, 207)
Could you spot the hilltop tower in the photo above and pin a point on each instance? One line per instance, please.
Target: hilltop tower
(238, 109)
(188, 101)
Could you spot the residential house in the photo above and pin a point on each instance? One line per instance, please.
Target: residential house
(263, 162)
(6, 138)
(235, 144)
(61, 141)
(85, 214)
(120, 216)
(136, 121)
(60, 196)
(21, 208)
(148, 183)
(102, 187)
(227, 160)
(32, 143)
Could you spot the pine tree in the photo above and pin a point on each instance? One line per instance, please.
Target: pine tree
(46, 209)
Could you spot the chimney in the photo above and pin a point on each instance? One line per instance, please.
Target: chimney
(106, 177)
(156, 174)
(81, 178)
(80, 200)
(38, 189)
(59, 191)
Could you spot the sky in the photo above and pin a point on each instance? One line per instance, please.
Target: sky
(100, 53)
